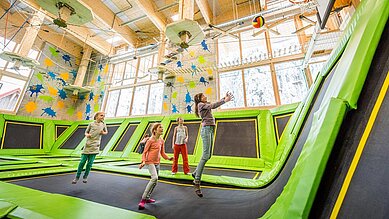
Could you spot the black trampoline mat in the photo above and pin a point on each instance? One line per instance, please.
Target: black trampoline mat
(173, 200)
(210, 171)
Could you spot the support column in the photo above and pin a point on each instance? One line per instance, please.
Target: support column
(83, 66)
(301, 35)
(31, 33)
(272, 69)
(186, 9)
(162, 48)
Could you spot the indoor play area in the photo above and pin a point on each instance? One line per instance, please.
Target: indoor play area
(303, 136)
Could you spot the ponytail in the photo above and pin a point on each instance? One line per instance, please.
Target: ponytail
(197, 99)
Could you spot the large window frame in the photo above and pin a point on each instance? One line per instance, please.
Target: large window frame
(128, 104)
(14, 77)
(266, 57)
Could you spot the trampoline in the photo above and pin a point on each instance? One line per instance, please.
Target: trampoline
(124, 191)
(125, 137)
(59, 129)
(193, 131)
(75, 139)
(280, 122)
(368, 190)
(32, 135)
(211, 171)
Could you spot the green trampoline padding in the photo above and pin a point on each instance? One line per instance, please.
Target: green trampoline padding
(6, 208)
(37, 204)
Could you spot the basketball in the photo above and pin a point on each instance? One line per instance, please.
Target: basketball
(258, 22)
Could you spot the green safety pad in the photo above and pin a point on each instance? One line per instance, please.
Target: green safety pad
(37, 204)
(6, 208)
(358, 46)
(35, 172)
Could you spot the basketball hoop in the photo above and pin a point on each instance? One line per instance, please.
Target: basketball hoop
(297, 2)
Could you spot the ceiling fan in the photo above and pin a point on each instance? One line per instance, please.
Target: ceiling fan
(68, 11)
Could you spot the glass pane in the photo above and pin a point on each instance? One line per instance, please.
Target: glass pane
(25, 71)
(124, 102)
(316, 64)
(232, 82)
(118, 71)
(291, 81)
(155, 63)
(10, 90)
(284, 42)
(33, 54)
(253, 48)
(144, 65)
(155, 98)
(140, 100)
(112, 102)
(228, 51)
(259, 87)
(129, 72)
(10, 47)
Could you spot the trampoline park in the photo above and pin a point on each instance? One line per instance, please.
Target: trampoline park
(324, 157)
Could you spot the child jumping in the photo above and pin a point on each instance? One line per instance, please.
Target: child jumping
(203, 110)
(92, 147)
(180, 139)
(154, 149)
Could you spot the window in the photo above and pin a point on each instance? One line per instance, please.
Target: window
(140, 100)
(155, 99)
(316, 64)
(118, 74)
(124, 102)
(130, 72)
(228, 50)
(144, 65)
(291, 81)
(259, 86)
(10, 91)
(13, 81)
(112, 102)
(253, 48)
(130, 96)
(232, 82)
(283, 42)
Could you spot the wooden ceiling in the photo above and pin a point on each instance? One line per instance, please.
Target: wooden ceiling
(138, 23)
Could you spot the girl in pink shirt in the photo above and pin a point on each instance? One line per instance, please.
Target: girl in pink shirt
(154, 149)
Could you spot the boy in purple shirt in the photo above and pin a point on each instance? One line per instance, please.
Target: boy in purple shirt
(203, 109)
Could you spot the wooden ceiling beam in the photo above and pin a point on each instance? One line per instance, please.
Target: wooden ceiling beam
(205, 10)
(111, 21)
(148, 7)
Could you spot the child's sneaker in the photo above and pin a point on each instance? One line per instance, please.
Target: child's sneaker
(173, 173)
(198, 189)
(74, 181)
(84, 180)
(141, 204)
(150, 200)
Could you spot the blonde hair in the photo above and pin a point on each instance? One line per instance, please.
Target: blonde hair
(197, 100)
(97, 114)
